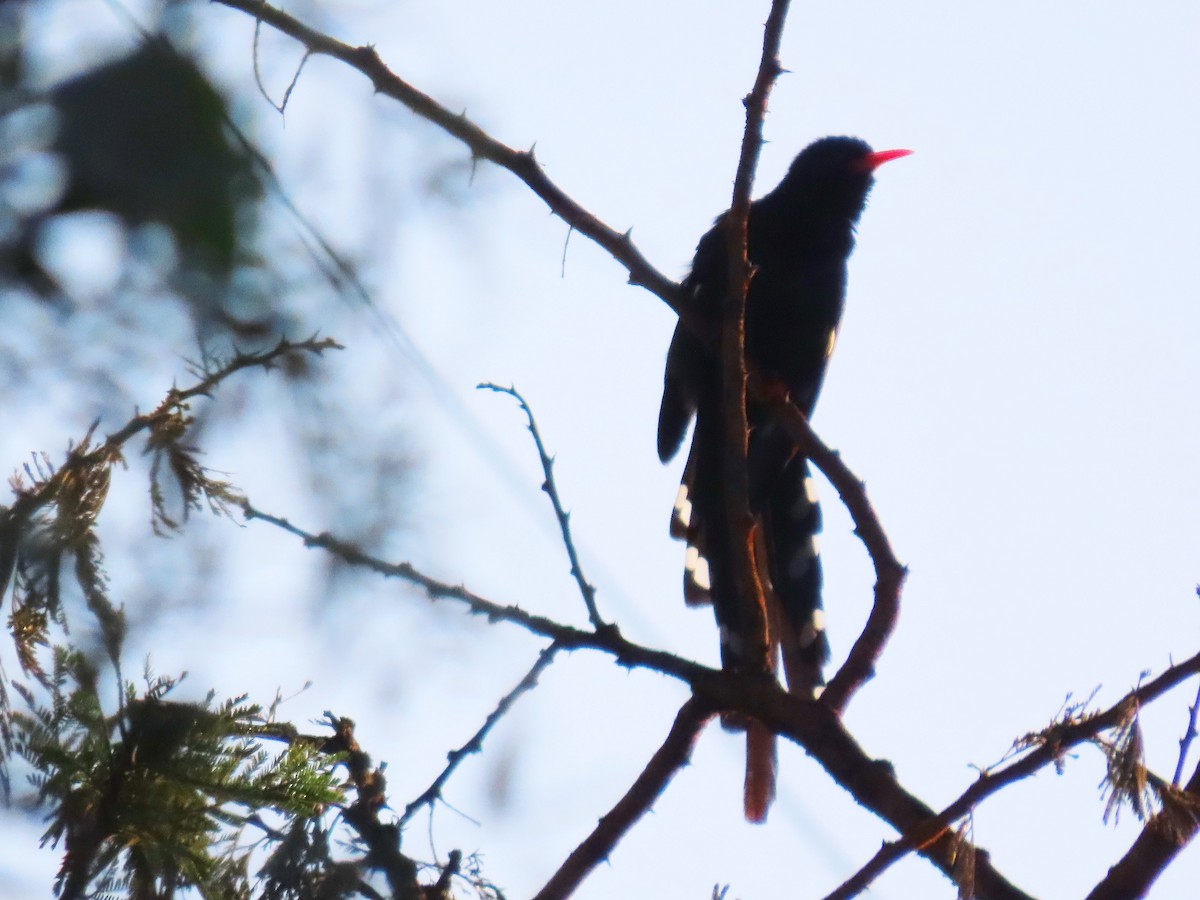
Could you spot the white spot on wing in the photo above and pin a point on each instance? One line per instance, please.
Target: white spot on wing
(813, 628)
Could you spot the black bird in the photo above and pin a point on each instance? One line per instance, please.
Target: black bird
(800, 236)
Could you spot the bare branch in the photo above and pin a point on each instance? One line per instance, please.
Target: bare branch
(1048, 747)
(586, 588)
(1185, 742)
(872, 869)
(1163, 838)
(817, 727)
(738, 518)
(860, 665)
(475, 744)
(482, 145)
(758, 648)
(673, 755)
(567, 637)
(809, 723)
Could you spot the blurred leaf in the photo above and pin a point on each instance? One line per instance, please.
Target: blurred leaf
(144, 138)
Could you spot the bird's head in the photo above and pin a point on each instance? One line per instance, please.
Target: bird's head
(831, 177)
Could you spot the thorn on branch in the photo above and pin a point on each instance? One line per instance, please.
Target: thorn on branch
(587, 589)
(366, 55)
(1185, 742)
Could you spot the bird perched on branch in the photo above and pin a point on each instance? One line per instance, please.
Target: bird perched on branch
(800, 236)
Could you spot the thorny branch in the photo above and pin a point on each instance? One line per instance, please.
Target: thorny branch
(434, 792)
(1185, 742)
(175, 402)
(523, 164)
(738, 518)
(567, 637)
(809, 723)
(860, 665)
(815, 726)
(586, 588)
(754, 637)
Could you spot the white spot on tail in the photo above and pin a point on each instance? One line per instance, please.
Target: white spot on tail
(683, 507)
(802, 507)
(813, 628)
(810, 490)
(697, 566)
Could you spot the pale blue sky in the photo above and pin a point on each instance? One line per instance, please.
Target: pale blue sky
(1015, 382)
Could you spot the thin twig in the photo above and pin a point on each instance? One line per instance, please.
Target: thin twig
(586, 588)
(475, 744)
(609, 640)
(666, 761)
(1185, 742)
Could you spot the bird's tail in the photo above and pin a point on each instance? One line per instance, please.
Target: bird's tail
(787, 552)
(687, 525)
(760, 771)
(790, 572)
(792, 522)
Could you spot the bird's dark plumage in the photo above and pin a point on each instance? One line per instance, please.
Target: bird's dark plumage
(799, 238)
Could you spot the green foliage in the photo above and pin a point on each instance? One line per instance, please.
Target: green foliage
(143, 794)
(146, 798)
(302, 866)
